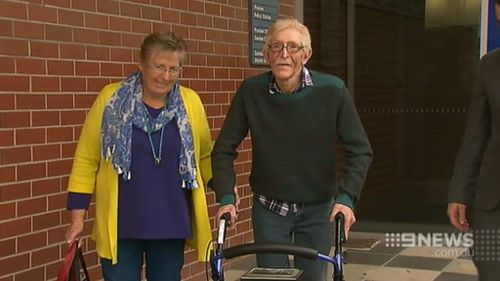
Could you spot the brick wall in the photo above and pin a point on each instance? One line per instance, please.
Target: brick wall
(55, 55)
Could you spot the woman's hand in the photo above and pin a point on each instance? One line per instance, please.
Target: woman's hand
(75, 229)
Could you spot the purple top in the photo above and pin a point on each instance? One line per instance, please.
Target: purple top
(152, 204)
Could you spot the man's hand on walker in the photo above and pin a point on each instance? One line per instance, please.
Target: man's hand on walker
(350, 219)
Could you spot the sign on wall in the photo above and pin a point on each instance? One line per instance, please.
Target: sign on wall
(263, 13)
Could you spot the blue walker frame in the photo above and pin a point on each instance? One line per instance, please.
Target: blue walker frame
(216, 259)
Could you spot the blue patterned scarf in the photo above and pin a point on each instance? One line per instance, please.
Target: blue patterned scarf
(126, 109)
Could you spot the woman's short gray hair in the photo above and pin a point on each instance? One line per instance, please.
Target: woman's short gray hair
(163, 41)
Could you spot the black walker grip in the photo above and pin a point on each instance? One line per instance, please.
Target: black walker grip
(226, 216)
(339, 226)
(256, 248)
(339, 233)
(340, 218)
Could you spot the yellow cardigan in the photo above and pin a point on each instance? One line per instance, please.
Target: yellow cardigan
(90, 173)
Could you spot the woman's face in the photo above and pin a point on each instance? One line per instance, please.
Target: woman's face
(160, 73)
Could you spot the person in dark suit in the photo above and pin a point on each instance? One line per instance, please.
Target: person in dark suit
(474, 194)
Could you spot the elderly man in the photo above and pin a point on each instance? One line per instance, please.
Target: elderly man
(295, 116)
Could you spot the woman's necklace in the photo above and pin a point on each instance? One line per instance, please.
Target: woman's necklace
(157, 157)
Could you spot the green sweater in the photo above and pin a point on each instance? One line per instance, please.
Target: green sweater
(294, 142)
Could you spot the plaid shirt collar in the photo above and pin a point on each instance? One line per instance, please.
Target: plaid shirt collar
(305, 81)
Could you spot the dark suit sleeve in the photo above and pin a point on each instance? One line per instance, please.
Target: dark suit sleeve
(477, 133)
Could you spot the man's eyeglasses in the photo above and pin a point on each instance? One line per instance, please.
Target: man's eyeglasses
(291, 47)
(160, 69)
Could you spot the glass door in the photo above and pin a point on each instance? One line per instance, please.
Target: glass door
(410, 66)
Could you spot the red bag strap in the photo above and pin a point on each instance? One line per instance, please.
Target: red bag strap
(83, 274)
(68, 261)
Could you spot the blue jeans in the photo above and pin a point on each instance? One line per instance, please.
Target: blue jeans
(309, 227)
(164, 260)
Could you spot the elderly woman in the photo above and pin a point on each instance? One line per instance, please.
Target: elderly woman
(144, 151)
(295, 117)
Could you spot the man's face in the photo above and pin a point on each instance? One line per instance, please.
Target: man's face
(287, 55)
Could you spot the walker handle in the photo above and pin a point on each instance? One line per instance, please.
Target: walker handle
(255, 248)
(339, 232)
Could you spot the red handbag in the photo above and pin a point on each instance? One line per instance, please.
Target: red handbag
(73, 267)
